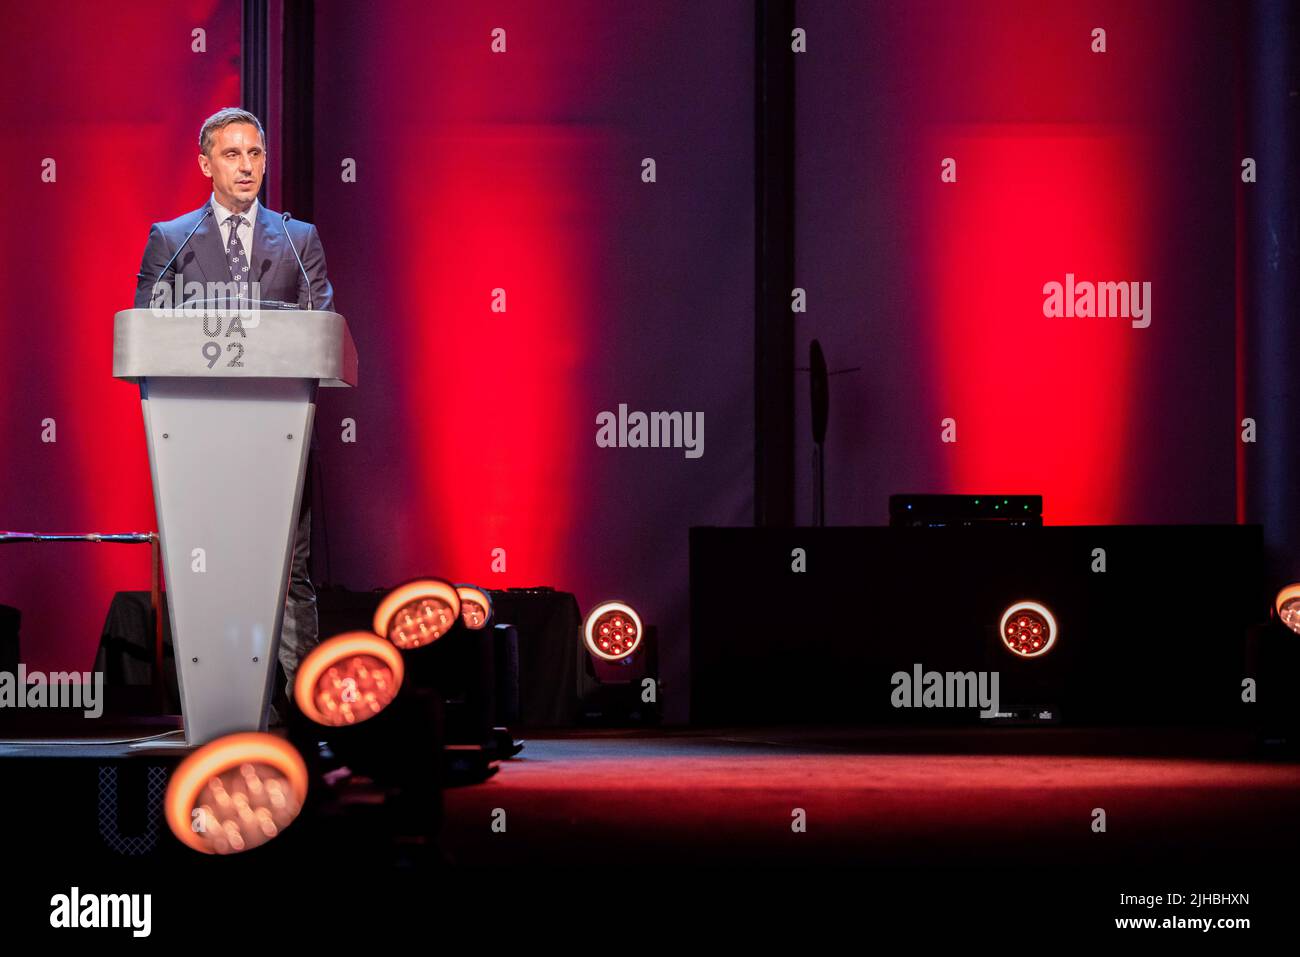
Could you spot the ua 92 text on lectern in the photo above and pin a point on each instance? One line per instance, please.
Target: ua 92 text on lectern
(228, 400)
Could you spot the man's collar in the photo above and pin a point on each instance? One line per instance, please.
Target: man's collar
(221, 214)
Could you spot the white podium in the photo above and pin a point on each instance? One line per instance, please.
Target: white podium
(228, 405)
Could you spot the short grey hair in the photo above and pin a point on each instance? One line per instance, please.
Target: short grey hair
(223, 118)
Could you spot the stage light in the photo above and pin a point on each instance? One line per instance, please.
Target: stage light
(1287, 606)
(236, 793)
(475, 607)
(612, 631)
(459, 669)
(359, 715)
(1028, 629)
(618, 673)
(355, 697)
(348, 679)
(417, 613)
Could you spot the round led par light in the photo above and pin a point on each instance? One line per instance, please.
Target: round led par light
(1028, 629)
(348, 679)
(236, 793)
(1287, 606)
(475, 607)
(612, 630)
(417, 613)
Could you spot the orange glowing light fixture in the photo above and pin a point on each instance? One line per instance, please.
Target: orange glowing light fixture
(236, 793)
(1028, 629)
(612, 630)
(348, 679)
(417, 613)
(1287, 605)
(475, 607)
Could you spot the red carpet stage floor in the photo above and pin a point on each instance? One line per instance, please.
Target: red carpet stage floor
(985, 831)
(979, 798)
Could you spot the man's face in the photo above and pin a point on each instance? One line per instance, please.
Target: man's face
(236, 164)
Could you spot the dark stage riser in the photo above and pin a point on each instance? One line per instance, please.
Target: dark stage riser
(1160, 637)
(100, 807)
(94, 817)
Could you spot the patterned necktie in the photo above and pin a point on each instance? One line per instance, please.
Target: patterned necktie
(235, 253)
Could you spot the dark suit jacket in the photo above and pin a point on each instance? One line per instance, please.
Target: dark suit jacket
(204, 258)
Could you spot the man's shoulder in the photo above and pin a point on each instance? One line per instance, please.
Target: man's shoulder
(181, 224)
(299, 229)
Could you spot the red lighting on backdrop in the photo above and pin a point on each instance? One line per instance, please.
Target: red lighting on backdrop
(1041, 404)
(117, 108)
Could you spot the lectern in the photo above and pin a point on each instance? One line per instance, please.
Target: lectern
(228, 400)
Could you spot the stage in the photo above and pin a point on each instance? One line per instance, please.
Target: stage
(364, 565)
(960, 799)
(879, 826)
(795, 797)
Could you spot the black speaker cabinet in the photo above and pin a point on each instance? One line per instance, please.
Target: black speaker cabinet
(461, 667)
(10, 619)
(1158, 636)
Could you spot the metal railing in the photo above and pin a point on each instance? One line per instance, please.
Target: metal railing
(155, 580)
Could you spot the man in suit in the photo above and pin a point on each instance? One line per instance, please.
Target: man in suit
(238, 240)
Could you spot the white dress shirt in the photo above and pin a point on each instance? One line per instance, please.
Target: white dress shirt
(222, 216)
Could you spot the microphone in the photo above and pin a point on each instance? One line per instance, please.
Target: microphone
(207, 210)
(284, 224)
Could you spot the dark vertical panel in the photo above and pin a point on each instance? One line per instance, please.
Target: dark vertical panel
(298, 105)
(774, 264)
(274, 101)
(1271, 109)
(254, 76)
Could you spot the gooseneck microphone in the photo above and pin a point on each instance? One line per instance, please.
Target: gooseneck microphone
(207, 210)
(284, 224)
